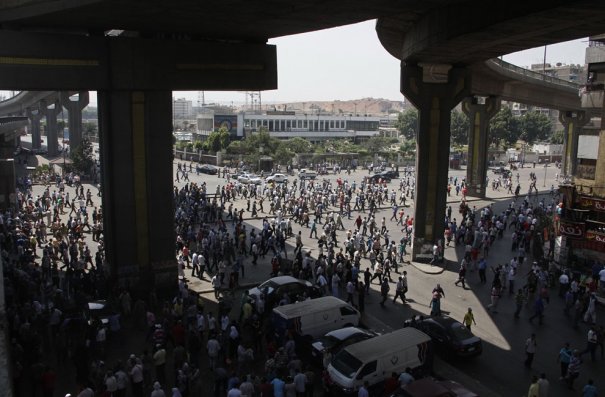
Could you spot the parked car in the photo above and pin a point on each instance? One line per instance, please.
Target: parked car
(450, 337)
(277, 178)
(207, 169)
(276, 287)
(431, 387)
(337, 340)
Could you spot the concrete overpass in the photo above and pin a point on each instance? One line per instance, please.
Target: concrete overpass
(135, 53)
(37, 105)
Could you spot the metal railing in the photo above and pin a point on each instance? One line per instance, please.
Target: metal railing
(534, 75)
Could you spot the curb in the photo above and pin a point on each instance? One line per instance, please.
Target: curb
(428, 269)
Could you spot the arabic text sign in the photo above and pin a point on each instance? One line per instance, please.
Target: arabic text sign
(572, 229)
(592, 203)
(595, 236)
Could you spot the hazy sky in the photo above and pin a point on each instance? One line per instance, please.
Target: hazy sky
(349, 63)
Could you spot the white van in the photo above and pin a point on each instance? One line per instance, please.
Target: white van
(374, 360)
(314, 318)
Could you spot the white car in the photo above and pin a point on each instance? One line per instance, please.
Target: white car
(277, 178)
(254, 179)
(244, 178)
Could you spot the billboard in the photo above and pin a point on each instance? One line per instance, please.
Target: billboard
(228, 121)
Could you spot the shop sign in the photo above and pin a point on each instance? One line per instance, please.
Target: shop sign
(595, 236)
(592, 203)
(572, 229)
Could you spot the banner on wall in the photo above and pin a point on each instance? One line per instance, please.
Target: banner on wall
(592, 203)
(572, 229)
(597, 237)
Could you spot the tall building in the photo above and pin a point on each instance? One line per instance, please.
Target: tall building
(182, 109)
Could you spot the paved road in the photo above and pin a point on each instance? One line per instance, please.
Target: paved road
(500, 368)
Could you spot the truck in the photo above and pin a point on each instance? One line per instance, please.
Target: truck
(307, 174)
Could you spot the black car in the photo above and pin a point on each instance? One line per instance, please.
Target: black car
(376, 178)
(392, 174)
(207, 169)
(450, 337)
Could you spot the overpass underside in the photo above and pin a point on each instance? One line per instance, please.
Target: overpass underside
(134, 79)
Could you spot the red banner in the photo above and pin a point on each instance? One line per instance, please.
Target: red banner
(572, 229)
(592, 203)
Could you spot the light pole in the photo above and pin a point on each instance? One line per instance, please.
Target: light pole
(545, 169)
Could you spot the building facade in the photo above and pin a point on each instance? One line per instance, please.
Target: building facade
(580, 225)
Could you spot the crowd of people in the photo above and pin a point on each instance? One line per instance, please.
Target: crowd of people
(189, 345)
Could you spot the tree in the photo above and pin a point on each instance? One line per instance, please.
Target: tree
(82, 157)
(297, 145)
(557, 137)
(535, 126)
(459, 126)
(504, 128)
(407, 123)
(218, 140)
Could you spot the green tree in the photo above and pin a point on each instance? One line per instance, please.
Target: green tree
(557, 137)
(407, 123)
(459, 126)
(82, 157)
(377, 144)
(535, 126)
(504, 128)
(218, 140)
(297, 145)
(408, 147)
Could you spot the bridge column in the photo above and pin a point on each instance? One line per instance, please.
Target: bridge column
(74, 108)
(479, 115)
(573, 123)
(50, 113)
(434, 90)
(135, 130)
(34, 115)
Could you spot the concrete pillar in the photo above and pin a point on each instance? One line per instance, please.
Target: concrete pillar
(74, 110)
(573, 123)
(50, 112)
(34, 115)
(136, 148)
(434, 90)
(479, 115)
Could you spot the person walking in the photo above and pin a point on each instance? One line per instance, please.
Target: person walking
(591, 343)
(461, 275)
(402, 287)
(469, 319)
(435, 304)
(533, 387)
(563, 359)
(543, 385)
(384, 290)
(538, 310)
(530, 350)
(495, 297)
(573, 370)
(519, 300)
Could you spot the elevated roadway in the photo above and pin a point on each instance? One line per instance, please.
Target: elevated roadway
(135, 53)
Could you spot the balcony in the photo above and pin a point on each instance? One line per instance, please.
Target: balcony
(592, 96)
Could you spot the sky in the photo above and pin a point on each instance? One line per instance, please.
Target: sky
(349, 62)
